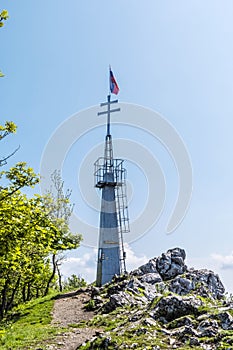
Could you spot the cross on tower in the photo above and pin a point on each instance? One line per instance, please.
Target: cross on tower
(108, 112)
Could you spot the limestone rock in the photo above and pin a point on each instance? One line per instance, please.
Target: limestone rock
(149, 322)
(180, 322)
(181, 285)
(184, 333)
(226, 320)
(208, 328)
(117, 300)
(151, 278)
(172, 307)
(171, 264)
(149, 267)
(206, 283)
(135, 285)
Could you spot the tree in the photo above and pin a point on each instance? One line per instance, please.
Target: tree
(58, 204)
(31, 231)
(27, 236)
(74, 282)
(3, 17)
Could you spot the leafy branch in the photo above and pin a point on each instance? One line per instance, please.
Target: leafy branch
(3, 17)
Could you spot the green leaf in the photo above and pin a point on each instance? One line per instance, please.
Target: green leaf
(4, 14)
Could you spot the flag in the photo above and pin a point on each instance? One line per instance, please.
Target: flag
(113, 84)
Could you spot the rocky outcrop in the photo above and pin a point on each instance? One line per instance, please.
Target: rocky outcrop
(173, 307)
(171, 264)
(166, 302)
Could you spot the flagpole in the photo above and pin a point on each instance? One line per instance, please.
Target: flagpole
(108, 122)
(109, 99)
(109, 81)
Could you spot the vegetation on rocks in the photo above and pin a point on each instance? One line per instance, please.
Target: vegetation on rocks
(162, 305)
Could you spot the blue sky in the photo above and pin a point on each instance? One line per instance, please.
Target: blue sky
(174, 57)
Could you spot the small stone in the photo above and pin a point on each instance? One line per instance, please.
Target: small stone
(149, 322)
(95, 291)
(194, 341)
(172, 341)
(99, 333)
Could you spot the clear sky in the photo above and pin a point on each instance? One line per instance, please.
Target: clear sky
(175, 57)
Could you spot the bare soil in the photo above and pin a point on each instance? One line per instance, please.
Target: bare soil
(69, 310)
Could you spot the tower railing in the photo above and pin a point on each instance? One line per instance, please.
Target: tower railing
(105, 166)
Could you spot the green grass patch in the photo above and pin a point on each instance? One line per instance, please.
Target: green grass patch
(90, 306)
(81, 324)
(28, 324)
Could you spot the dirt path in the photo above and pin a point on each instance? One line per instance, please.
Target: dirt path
(67, 312)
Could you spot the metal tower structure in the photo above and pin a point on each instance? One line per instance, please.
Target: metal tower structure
(110, 178)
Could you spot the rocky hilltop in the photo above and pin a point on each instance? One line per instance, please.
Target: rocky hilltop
(162, 305)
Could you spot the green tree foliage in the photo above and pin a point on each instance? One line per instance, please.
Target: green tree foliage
(58, 205)
(5, 130)
(16, 178)
(28, 237)
(74, 282)
(3, 17)
(30, 233)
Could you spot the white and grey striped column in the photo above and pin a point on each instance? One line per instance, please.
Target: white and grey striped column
(109, 252)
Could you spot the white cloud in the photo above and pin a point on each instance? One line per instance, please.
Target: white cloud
(133, 261)
(226, 262)
(85, 265)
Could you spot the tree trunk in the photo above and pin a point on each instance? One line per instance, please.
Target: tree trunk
(59, 278)
(28, 291)
(24, 293)
(11, 301)
(52, 275)
(4, 299)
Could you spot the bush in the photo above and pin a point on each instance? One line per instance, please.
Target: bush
(74, 282)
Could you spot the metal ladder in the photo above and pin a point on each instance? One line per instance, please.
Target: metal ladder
(123, 220)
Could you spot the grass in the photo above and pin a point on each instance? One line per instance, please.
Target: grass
(28, 325)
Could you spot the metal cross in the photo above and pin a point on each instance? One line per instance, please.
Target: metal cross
(108, 112)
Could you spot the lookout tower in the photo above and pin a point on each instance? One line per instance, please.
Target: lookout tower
(110, 178)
